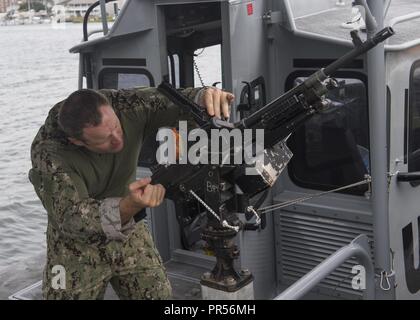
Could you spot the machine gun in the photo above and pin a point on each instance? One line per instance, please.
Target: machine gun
(224, 190)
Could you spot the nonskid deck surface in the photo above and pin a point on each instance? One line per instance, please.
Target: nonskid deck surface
(328, 23)
(184, 278)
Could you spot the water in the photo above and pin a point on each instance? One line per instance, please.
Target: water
(36, 71)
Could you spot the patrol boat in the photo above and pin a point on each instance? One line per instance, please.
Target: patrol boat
(345, 221)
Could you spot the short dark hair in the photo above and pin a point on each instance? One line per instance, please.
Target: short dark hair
(80, 110)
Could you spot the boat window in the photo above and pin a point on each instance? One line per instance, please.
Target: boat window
(208, 66)
(414, 120)
(116, 78)
(332, 148)
(173, 65)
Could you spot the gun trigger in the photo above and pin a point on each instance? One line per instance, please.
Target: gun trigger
(219, 123)
(355, 38)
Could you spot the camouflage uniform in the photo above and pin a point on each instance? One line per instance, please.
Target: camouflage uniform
(81, 191)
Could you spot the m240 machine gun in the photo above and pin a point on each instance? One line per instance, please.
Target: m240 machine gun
(223, 190)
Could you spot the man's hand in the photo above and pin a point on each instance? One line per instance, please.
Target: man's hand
(142, 195)
(217, 102)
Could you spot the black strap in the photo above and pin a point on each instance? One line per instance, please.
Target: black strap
(140, 215)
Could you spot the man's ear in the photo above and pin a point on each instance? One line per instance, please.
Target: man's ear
(76, 142)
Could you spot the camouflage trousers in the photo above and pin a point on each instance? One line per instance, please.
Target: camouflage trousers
(134, 268)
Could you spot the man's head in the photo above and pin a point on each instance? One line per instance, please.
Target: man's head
(89, 121)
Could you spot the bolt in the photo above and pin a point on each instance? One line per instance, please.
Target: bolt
(195, 292)
(230, 281)
(206, 275)
(245, 272)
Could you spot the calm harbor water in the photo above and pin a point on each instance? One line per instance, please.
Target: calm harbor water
(36, 71)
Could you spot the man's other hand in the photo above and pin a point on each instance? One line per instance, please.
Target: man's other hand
(217, 102)
(144, 194)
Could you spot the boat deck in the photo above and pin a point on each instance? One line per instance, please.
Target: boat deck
(184, 278)
(328, 23)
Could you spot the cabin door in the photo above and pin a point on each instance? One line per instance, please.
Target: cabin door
(404, 163)
(245, 48)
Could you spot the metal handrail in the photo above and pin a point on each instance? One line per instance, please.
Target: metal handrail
(103, 17)
(358, 248)
(409, 44)
(95, 32)
(404, 18)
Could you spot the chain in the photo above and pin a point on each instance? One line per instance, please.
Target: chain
(198, 73)
(205, 205)
(224, 222)
(227, 225)
(367, 180)
(257, 217)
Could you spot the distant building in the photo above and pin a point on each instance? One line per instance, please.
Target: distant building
(4, 4)
(78, 8)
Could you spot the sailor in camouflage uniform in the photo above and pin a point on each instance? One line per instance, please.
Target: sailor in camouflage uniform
(84, 161)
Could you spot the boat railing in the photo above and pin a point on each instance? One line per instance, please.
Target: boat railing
(358, 248)
(399, 20)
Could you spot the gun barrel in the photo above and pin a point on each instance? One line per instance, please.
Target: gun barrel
(359, 49)
(321, 75)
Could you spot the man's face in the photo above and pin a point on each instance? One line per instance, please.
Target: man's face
(107, 137)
